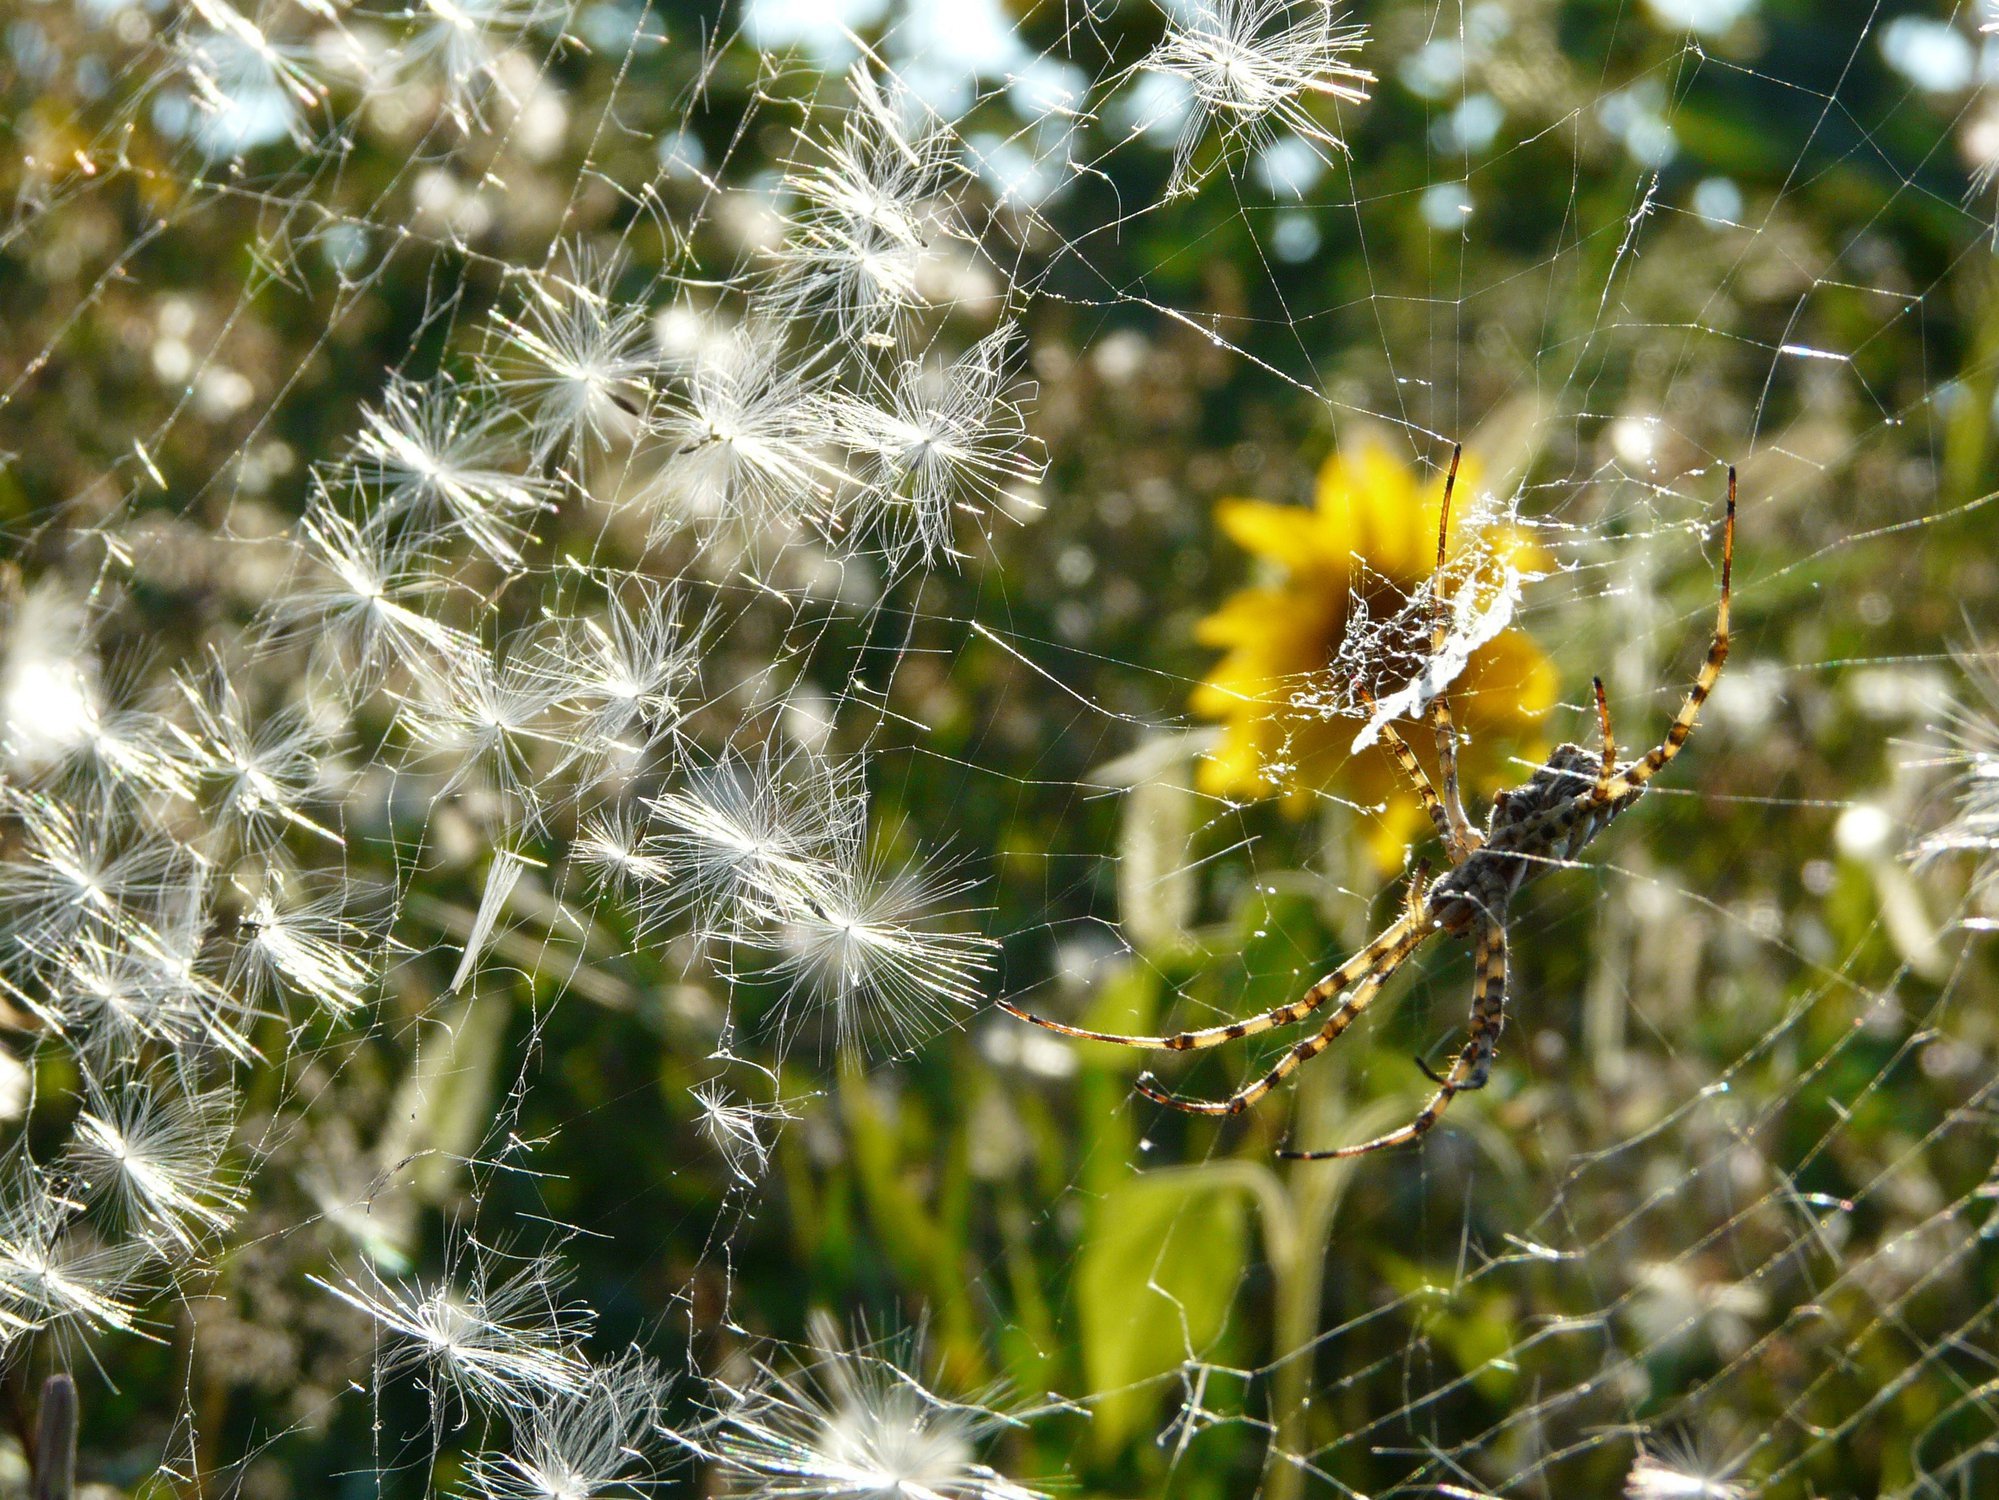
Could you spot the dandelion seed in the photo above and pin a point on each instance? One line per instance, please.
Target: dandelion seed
(174, 942)
(573, 1446)
(124, 752)
(576, 364)
(939, 441)
(1249, 62)
(1970, 753)
(303, 946)
(866, 211)
(855, 1426)
(460, 43)
(58, 724)
(52, 1273)
(113, 999)
(754, 837)
(742, 434)
(242, 101)
(859, 942)
(231, 23)
(82, 871)
(733, 1128)
(1651, 1480)
(631, 670)
(251, 90)
(158, 1150)
(486, 716)
(1678, 1473)
(433, 452)
(503, 1340)
(359, 600)
(501, 877)
(266, 772)
(608, 846)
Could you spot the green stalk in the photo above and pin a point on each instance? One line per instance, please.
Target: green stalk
(921, 1246)
(1314, 1190)
(1967, 433)
(1319, 1101)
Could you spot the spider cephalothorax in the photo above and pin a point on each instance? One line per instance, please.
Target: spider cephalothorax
(1568, 801)
(1531, 826)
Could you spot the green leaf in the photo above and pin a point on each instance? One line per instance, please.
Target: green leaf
(1161, 1263)
(1478, 1329)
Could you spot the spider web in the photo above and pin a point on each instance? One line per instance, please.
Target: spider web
(588, 586)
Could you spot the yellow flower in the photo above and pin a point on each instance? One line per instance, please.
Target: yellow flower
(1283, 638)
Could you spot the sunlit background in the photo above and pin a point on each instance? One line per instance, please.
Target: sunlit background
(588, 587)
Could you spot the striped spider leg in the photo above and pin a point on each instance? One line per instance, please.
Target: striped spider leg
(1458, 835)
(1565, 804)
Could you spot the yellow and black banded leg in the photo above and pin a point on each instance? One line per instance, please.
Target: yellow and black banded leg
(1631, 780)
(1609, 754)
(1297, 1056)
(1459, 834)
(1418, 895)
(1419, 779)
(1473, 1066)
(1410, 928)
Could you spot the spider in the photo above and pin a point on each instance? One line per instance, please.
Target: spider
(1566, 803)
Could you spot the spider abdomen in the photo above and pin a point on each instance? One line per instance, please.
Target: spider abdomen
(1548, 821)
(1553, 786)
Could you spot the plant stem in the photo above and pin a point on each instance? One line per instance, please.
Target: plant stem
(1315, 1190)
(55, 1440)
(1315, 1194)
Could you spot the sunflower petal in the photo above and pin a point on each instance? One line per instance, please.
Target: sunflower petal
(1286, 534)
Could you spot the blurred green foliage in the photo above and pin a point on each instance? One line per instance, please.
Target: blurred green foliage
(1727, 1179)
